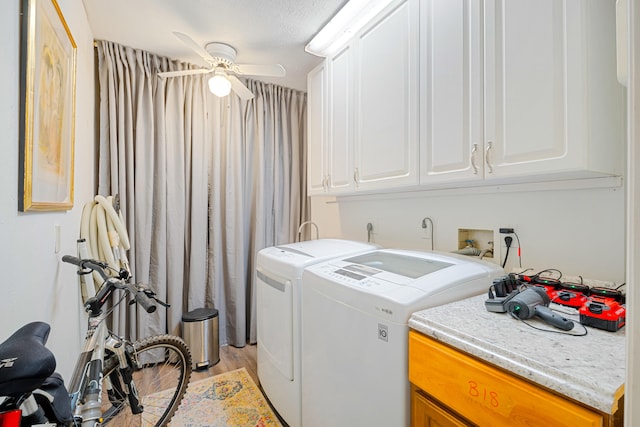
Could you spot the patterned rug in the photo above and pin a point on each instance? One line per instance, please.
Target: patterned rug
(231, 399)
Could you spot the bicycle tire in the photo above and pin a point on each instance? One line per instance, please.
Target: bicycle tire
(161, 372)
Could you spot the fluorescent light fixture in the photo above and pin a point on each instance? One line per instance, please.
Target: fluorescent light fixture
(219, 85)
(344, 25)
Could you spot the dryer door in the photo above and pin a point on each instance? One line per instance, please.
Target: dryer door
(275, 320)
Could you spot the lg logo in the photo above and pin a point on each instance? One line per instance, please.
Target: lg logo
(383, 332)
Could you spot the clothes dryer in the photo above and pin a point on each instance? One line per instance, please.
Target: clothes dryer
(355, 330)
(279, 279)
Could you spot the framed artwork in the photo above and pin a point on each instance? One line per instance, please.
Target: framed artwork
(47, 108)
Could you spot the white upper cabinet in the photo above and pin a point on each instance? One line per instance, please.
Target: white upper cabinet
(539, 86)
(317, 151)
(340, 135)
(330, 123)
(470, 92)
(528, 93)
(386, 99)
(451, 102)
(535, 85)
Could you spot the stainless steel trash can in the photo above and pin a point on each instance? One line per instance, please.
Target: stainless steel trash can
(200, 332)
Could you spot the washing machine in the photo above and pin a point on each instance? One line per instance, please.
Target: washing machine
(279, 279)
(355, 330)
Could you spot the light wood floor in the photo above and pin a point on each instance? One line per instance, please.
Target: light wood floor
(232, 358)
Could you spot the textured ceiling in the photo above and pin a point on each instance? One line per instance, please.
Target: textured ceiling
(262, 31)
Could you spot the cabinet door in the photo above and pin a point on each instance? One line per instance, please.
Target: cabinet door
(451, 119)
(340, 139)
(427, 413)
(316, 123)
(386, 98)
(486, 395)
(536, 108)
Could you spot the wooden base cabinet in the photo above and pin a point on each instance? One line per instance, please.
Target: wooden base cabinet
(427, 413)
(451, 388)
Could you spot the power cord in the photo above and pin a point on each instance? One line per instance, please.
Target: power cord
(551, 270)
(507, 241)
(519, 249)
(583, 333)
(551, 330)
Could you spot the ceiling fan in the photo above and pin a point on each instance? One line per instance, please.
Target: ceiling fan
(221, 59)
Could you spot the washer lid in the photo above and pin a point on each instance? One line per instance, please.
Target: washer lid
(325, 248)
(404, 265)
(289, 260)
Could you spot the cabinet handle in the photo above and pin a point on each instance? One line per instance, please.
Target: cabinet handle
(487, 157)
(356, 177)
(473, 159)
(328, 181)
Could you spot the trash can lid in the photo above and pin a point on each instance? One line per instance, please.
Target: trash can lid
(199, 314)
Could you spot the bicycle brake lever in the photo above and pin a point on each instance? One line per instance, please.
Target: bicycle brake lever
(101, 264)
(162, 303)
(152, 295)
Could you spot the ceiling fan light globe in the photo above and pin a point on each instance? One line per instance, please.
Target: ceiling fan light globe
(219, 85)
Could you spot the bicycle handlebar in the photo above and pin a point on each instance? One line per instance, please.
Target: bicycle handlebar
(84, 264)
(139, 294)
(142, 298)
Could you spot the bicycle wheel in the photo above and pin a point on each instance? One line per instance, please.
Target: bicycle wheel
(161, 368)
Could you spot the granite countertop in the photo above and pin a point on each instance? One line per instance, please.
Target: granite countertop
(589, 369)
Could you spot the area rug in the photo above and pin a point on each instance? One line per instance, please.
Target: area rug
(231, 399)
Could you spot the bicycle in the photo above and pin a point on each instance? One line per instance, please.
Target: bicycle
(115, 382)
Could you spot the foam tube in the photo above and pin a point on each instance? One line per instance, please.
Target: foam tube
(93, 232)
(103, 237)
(85, 222)
(91, 229)
(119, 226)
(87, 289)
(113, 236)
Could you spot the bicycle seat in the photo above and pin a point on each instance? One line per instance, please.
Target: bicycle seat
(25, 363)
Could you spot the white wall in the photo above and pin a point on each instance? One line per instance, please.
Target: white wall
(35, 284)
(578, 231)
(632, 386)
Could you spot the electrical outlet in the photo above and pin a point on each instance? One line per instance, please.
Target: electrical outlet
(513, 252)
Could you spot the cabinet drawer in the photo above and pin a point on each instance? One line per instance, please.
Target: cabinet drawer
(427, 413)
(485, 395)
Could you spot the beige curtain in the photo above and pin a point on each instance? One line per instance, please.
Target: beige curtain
(204, 183)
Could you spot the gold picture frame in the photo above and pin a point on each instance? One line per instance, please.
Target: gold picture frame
(47, 108)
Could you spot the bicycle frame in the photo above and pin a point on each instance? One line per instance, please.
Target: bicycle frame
(86, 384)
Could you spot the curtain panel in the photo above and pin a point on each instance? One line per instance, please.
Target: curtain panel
(204, 184)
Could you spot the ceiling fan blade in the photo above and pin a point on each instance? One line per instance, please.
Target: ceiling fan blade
(194, 46)
(275, 70)
(185, 72)
(239, 88)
